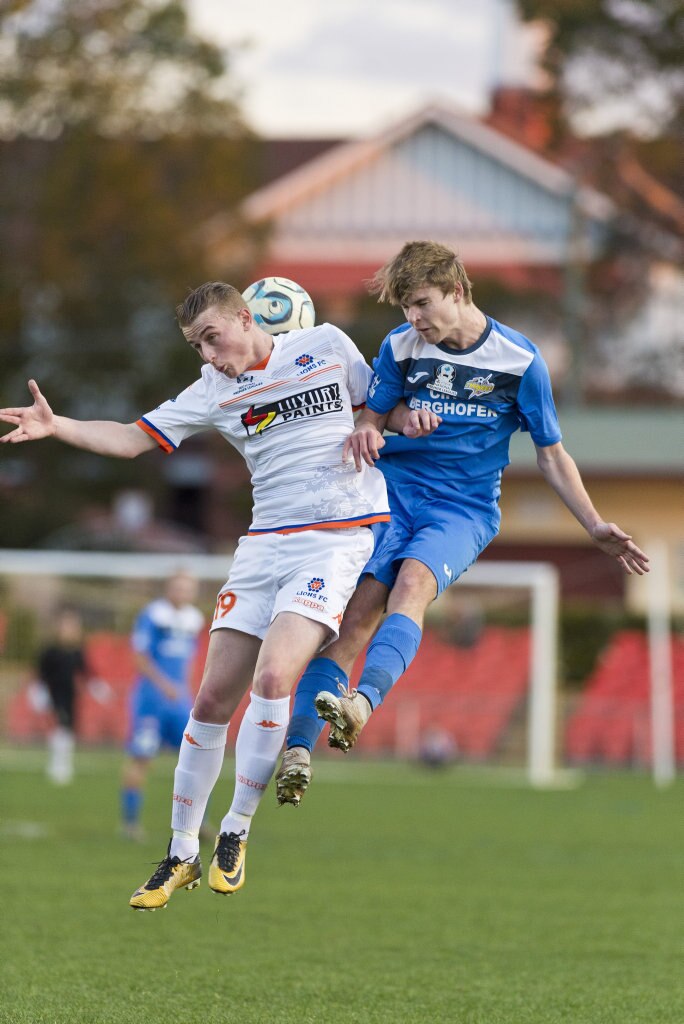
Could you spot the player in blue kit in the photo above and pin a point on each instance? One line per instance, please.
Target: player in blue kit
(467, 383)
(165, 639)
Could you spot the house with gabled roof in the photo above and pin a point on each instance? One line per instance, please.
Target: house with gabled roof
(436, 174)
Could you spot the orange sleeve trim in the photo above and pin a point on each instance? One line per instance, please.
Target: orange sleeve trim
(157, 435)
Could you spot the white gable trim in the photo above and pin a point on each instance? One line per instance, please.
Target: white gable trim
(318, 174)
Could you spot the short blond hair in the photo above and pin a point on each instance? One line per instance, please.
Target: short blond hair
(420, 264)
(211, 293)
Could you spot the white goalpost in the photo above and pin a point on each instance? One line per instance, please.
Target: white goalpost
(542, 581)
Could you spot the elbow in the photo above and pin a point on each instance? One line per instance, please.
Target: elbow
(543, 463)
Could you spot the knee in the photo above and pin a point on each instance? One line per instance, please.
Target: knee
(213, 706)
(412, 590)
(270, 683)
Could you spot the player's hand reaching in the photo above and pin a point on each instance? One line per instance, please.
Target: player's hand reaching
(32, 421)
(364, 444)
(613, 541)
(420, 423)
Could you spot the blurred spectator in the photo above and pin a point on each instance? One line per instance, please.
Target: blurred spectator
(437, 748)
(62, 670)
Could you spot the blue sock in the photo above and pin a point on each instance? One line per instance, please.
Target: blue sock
(305, 726)
(390, 653)
(131, 802)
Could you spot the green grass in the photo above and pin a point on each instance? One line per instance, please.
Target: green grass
(392, 895)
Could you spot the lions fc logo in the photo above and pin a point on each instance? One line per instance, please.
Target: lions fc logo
(479, 386)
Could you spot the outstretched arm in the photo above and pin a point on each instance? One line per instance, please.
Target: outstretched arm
(561, 472)
(106, 437)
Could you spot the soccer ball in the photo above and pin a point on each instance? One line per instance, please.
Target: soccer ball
(279, 305)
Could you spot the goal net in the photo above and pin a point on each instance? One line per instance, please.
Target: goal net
(482, 688)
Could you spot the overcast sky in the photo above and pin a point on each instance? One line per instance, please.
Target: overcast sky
(348, 67)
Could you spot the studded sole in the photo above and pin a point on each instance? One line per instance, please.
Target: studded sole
(328, 709)
(292, 784)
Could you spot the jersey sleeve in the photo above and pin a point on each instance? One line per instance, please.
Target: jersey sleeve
(358, 371)
(536, 408)
(178, 418)
(388, 384)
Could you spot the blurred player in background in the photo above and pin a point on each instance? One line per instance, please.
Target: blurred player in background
(164, 640)
(286, 404)
(465, 383)
(63, 671)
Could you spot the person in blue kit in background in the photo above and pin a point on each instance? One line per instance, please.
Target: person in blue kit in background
(466, 383)
(164, 639)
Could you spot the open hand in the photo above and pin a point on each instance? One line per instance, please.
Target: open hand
(32, 421)
(611, 539)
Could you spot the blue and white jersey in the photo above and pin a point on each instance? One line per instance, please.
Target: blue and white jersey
(169, 636)
(483, 393)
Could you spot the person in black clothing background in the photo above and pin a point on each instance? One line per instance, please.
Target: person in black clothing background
(62, 668)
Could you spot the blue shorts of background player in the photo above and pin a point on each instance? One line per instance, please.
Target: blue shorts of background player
(156, 722)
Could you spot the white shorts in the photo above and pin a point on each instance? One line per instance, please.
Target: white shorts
(312, 573)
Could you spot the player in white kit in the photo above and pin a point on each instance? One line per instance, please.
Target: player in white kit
(286, 403)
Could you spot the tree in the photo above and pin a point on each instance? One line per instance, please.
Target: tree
(621, 57)
(122, 137)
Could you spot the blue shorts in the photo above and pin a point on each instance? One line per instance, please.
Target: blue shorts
(444, 534)
(156, 721)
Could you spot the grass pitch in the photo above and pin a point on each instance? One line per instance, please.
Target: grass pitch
(392, 895)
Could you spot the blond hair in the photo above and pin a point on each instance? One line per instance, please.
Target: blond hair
(211, 293)
(420, 264)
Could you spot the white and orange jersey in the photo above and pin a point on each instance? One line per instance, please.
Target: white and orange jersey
(288, 417)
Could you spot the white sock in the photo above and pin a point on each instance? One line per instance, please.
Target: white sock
(199, 765)
(60, 767)
(259, 742)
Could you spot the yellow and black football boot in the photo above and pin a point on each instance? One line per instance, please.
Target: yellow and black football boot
(227, 868)
(171, 874)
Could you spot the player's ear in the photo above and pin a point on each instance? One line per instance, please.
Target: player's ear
(458, 291)
(245, 317)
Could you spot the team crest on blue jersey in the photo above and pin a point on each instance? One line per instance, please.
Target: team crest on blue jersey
(479, 386)
(444, 380)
